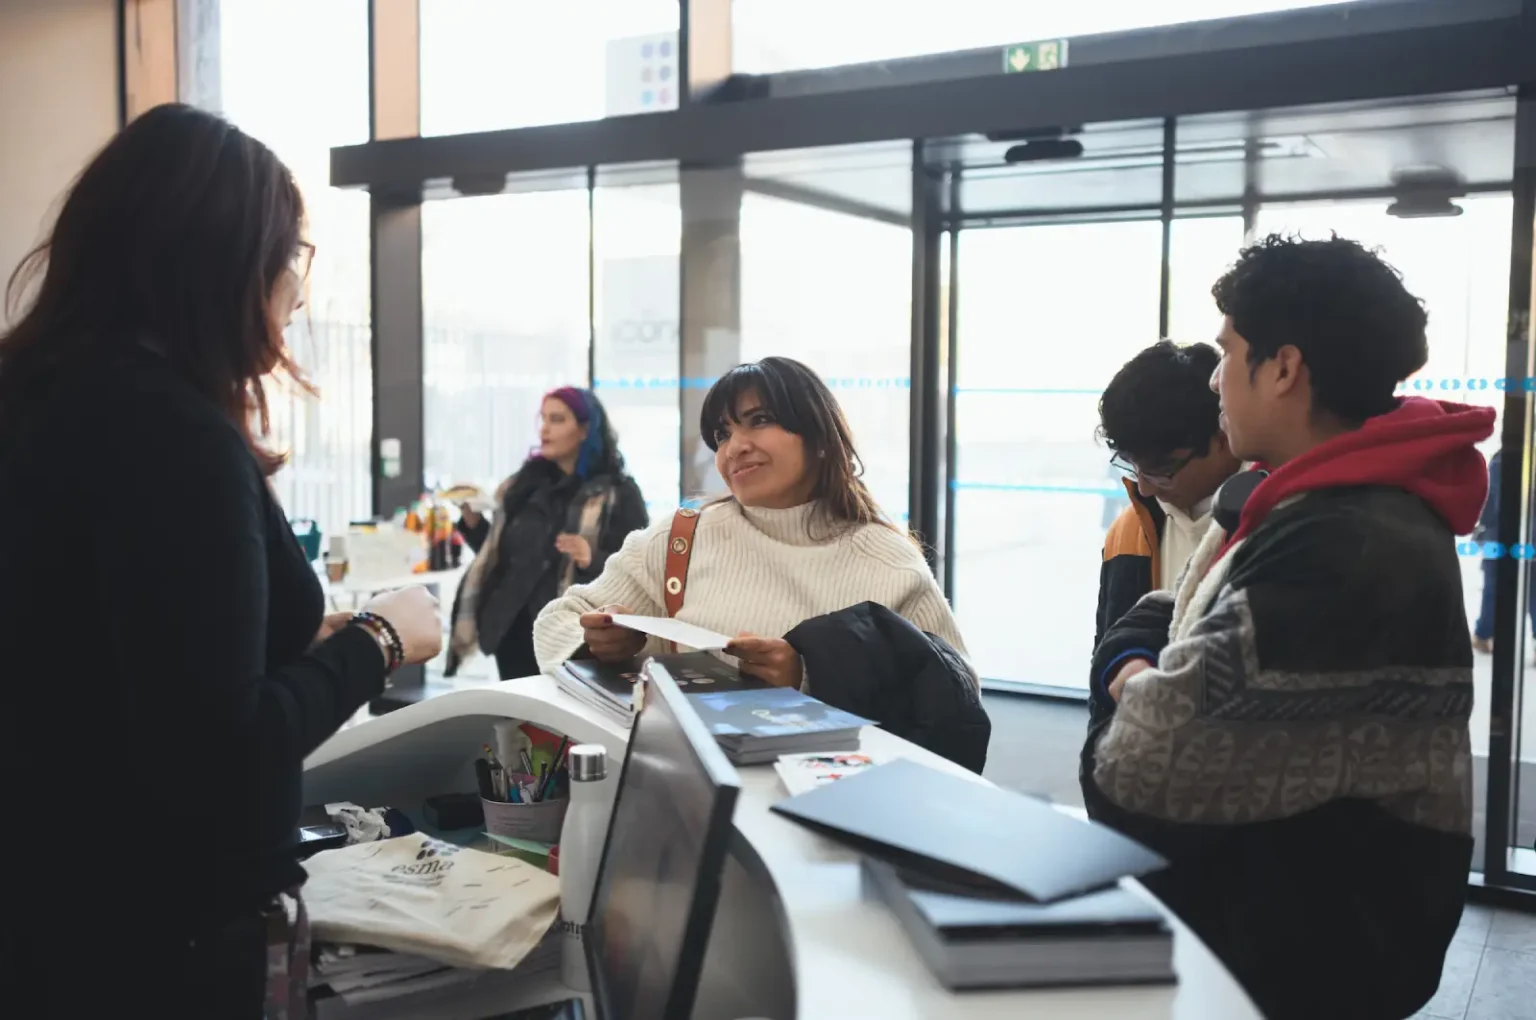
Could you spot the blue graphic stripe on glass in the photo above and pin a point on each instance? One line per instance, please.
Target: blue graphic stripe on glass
(1027, 391)
(1078, 490)
(1496, 550)
(1470, 384)
(1447, 384)
(704, 383)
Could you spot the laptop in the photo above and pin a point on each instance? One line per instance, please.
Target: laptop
(659, 879)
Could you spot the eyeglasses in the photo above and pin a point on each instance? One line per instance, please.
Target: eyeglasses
(303, 257)
(1159, 476)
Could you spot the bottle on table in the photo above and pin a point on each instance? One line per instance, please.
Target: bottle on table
(581, 848)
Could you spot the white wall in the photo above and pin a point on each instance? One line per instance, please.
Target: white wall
(58, 105)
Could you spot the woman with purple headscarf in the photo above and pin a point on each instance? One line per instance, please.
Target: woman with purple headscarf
(559, 518)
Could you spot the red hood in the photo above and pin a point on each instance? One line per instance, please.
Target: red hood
(1425, 446)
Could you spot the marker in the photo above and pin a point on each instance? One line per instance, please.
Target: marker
(547, 788)
(483, 779)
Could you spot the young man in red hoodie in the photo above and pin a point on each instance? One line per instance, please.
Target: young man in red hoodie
(1299, 748)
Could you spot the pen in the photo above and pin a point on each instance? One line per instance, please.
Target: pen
(513, 796)
(538, 787)
(527, 761)
(547, 785)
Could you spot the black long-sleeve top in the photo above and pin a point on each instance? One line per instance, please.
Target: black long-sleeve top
(159, 691)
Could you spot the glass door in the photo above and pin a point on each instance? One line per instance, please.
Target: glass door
(1045, 316)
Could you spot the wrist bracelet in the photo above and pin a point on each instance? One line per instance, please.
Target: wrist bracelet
(380, 639)
(391, 637)
(385, 634)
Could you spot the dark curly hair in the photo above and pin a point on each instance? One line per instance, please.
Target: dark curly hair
(1341, 305)
(1161, 401)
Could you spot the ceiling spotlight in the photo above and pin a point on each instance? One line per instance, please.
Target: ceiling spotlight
(1426, 193)
(1050, 148)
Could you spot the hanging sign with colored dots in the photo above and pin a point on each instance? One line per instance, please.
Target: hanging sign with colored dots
(642, 75)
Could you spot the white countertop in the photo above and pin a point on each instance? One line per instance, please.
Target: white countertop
(851, 958)
(367, 586)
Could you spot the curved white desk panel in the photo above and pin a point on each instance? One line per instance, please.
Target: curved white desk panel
(428, 748)
(849, 957)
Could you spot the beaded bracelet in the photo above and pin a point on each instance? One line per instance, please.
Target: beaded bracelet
(385, 634)
(379, 638)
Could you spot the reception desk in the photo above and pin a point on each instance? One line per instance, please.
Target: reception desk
(795, 937)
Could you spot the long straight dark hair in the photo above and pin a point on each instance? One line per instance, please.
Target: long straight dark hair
(173, 238)
(801, 403)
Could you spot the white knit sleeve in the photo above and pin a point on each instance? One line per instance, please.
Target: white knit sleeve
(631, 578)
(928, 611)
(923, 604)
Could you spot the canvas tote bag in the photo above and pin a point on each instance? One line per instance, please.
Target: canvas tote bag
(418, 895)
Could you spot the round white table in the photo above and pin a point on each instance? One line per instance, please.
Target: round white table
(358, 589)
(848, 957)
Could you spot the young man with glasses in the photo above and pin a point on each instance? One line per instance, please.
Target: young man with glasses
(1159, 417)
(1298, 748)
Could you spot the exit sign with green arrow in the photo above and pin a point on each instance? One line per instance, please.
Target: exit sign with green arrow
(1036, 56)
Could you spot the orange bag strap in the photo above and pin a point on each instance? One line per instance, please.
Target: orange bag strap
(679, 550)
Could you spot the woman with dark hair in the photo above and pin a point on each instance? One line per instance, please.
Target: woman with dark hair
(568, 508)
(169, 663)
(799, 537)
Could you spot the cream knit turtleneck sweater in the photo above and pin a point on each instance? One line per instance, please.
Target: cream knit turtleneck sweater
(754, 570)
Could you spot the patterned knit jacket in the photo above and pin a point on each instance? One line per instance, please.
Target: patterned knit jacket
(1301, 752)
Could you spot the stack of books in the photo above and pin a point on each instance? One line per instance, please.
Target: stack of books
(754, 727)
(974, 940)
(609, 687)
(993, 888)
(348, 982)
(752, 721)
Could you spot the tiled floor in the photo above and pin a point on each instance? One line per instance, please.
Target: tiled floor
(1490, 971)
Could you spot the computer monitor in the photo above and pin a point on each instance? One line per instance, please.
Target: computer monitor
(659, 880)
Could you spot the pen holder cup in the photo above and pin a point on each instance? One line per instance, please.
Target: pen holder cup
(537, 822)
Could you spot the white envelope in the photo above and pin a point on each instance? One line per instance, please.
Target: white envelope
(669, 629)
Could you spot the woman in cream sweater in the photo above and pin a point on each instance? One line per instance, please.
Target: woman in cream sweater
(800, 536)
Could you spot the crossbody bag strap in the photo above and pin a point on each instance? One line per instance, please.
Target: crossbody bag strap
(679, 550)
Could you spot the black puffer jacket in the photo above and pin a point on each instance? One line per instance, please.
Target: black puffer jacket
(871, 661)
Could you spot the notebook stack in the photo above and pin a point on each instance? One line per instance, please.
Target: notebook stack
(754, 727)
(753, 722)
(349, 982)
(609, 687)
(995, 889)
(973, 940)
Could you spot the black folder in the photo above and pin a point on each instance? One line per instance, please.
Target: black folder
(964, 832)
